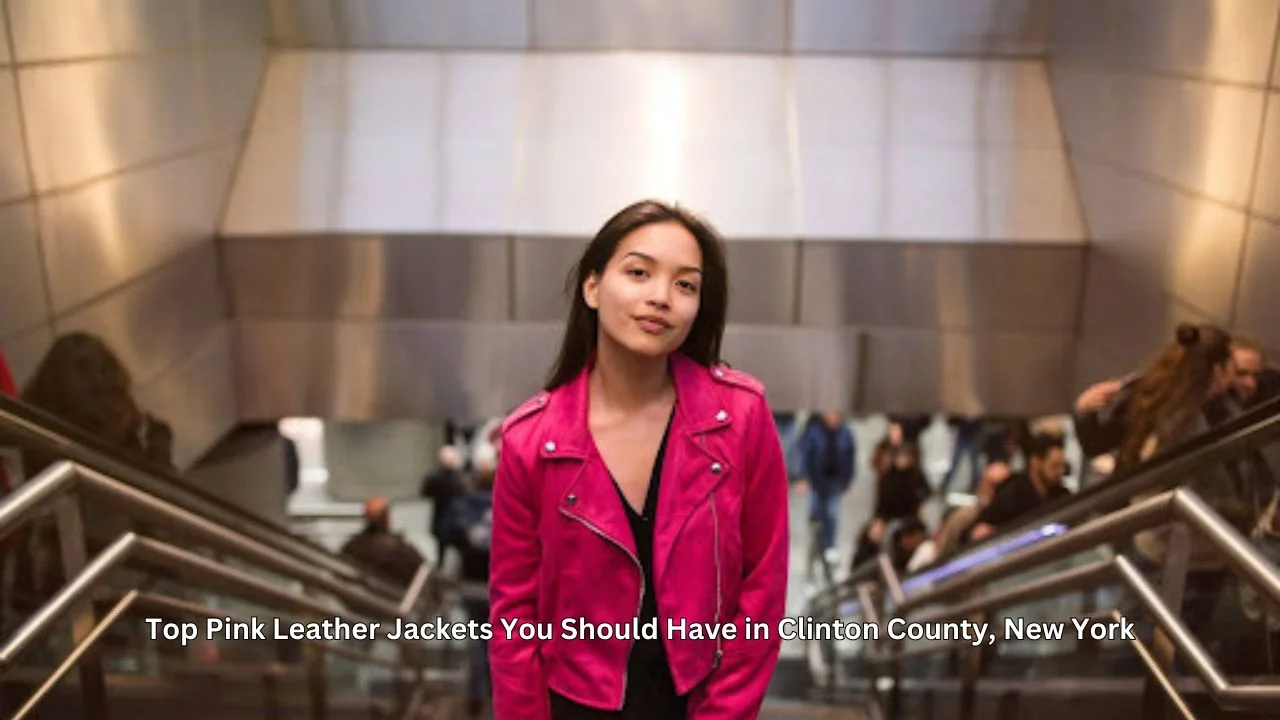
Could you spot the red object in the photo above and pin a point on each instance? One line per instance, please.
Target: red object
(720, 549)
(7, 386)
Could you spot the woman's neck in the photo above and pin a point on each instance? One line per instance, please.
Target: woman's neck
(627, 381)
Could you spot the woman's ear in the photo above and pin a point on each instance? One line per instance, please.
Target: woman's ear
(590, 288)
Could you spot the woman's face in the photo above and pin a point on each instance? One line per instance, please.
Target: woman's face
(649, 293)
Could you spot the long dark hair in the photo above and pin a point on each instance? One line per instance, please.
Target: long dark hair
(582, 328)
(1174, 389)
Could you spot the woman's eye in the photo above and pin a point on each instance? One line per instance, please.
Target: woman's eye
(686, 285)
(636, 272)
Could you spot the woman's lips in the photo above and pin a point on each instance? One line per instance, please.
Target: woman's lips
(652, 325)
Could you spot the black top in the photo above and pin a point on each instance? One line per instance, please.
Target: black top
(1016, 498)
(650, 690)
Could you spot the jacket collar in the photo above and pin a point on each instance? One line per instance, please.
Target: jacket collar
(699, 408)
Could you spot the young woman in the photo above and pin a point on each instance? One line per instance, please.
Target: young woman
(647, 482)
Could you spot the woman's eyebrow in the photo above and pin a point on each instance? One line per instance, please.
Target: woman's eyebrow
(648, 258)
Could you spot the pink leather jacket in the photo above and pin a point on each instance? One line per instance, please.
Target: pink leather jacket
(562, 548)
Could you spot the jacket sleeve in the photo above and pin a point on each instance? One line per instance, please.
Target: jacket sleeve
(518, 676)
(735, 689)
(1102, 432)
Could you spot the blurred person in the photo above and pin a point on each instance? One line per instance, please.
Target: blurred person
(380, 549)
(887, 449)
(468, 527)
(967, 449)
(951, 532)
(900, 491)
(638, 398)
(1025, 492)
(829, 456)
(909, 539)
(442, 487)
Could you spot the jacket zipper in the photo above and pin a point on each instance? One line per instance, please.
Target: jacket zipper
(639, 569)
(715, 549)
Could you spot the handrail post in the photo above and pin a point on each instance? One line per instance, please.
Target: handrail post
(317, 682)
(970, 669)
(1173, 582)
(73, 549)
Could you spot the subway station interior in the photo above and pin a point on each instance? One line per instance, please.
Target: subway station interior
(327, 251)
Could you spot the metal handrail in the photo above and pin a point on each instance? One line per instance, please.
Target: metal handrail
(1163, 472)
(59, 483)
(1175, 505)
(32, 427)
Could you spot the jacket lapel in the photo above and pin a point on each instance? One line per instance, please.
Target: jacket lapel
(694, 464)
(590, 495)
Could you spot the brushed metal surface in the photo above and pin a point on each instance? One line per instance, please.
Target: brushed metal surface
(160, 319)
(1266, 192)
(709, 25)
(195, 396)
(382, 142)
(919, 371)
(1082, 31)
(1258, 304)
(22, 294)
(962, 287)
(531, 145)
(955, 27)
(14, 181)
(708, 130)
(88, 119)
(6, 55)
(540, 284)
(368, 277)
(108, 232)
(1227, 40)
(489, 24)
(75, 29)
(233, 23)
(762, 282)
(25, 351)
(298, 23)
(1187, 245)
(232, 79)
(356, 371)
(362, 371)
(1093, 365)
(1126, 316)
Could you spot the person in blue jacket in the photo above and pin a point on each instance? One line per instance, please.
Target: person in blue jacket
(829, 455)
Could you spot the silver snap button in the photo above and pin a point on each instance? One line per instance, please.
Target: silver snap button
(549, 447)
(722, 416)
(716, 468)
(542, 400)
(719, 373)
(572, 499)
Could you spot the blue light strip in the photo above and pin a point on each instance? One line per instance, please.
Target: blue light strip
(969, 561)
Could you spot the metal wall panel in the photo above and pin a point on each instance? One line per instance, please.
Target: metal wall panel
(5, 55)
(364, 371)
(24, 352)
(233, 23)
(762, 282)
(14, 182)
(45, 30)
(953, 27)
(161, 318)
(1126, 316)
(296, 23)
(541, 281)
(113, 230)
(936, 192)
(1266, 192)
(712, 131)
(196, 397)
(979, 287)
(23, 304)
(369, 277)
(1095, 365)
(1187, 245)
(801, 368)
(1225, 40)
(1258, 304)
(1031, 196)
(709, 25)
(1082, 31)
(155, 110)
(967, 373)
(435, 23)
(232, 79)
